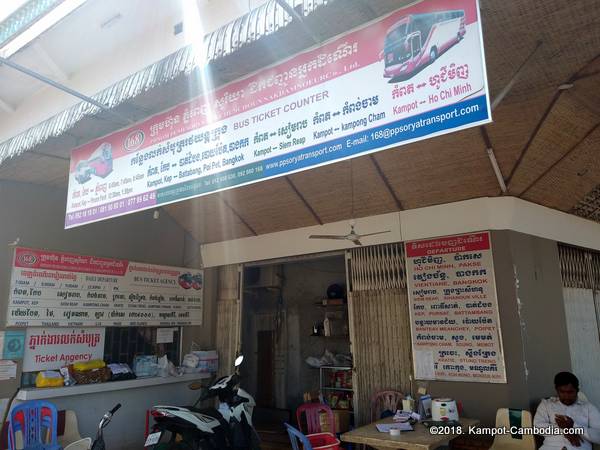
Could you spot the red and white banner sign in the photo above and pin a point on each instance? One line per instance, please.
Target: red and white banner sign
(454, 310)
(53, 348)
(58, 289)
(416, 73)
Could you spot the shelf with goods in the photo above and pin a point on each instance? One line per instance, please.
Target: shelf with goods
(333, 303)
(335, 385)
(335, 319)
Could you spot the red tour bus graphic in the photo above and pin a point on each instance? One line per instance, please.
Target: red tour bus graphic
(418, 39)
(100, 163)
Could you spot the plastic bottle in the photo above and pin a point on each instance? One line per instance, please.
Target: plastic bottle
(408, 404)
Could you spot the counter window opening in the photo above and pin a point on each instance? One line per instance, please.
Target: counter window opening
(123, 344)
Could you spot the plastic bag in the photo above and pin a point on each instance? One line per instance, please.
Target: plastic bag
(313, 362)
(190, 360)
(67, 378)
(48, 378)
(120, 371)
(145, 366)
(163, 366)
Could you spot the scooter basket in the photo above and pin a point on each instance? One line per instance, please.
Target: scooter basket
(323, 441)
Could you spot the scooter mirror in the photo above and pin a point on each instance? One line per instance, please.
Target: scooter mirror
(239, 360)
(195, 385)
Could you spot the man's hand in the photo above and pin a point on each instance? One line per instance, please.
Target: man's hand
(564, 421)
(574, 439)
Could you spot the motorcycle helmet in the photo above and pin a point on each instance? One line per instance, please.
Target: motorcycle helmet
(335, 291)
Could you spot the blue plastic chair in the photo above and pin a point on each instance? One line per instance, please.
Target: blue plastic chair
(295, 436)
(324, 441)
(37, 421)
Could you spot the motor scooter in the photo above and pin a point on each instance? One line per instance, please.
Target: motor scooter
(192, 428)
(98, 444)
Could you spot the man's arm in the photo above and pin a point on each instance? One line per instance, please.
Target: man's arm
(542, 418)
(592, 428)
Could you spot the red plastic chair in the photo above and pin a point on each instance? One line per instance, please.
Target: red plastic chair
(312, 413)
(318, 441)
(385, 401)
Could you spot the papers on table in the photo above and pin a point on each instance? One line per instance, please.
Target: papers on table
(404, 416)
(385, 427)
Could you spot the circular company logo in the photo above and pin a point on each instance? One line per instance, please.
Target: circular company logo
(134, 140)
(13, 345)
(28, 259)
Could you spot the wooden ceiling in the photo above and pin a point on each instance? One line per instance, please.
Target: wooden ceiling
(546, 139)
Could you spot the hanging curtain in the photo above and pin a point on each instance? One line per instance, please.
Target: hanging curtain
(228, 317)
(580, 271)
(379, 324)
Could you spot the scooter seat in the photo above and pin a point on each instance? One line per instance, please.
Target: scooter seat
(212, 412)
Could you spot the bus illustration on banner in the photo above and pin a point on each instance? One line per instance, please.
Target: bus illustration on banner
(417, 40)
(100, 163)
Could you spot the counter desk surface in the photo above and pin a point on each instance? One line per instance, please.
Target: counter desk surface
(83, 389)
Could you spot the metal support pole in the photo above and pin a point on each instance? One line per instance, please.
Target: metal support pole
(504, 92)
(292, 12)
(64, 88)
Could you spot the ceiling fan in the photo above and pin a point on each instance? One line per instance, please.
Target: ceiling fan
(353, 236)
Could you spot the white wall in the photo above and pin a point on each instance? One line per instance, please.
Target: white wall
(141, 37)
(499, 213)
(35, 214)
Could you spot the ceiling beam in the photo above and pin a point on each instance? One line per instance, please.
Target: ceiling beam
(50, 63)
(587, 75)
(301, 197)
(545, 115)
(299, 19)
(386, 182)
(494, 104)
(121, 119)
(504, 92)
(49, 155)
(6, 107)
(369, 8)
(492, 157)
(236, 214)
(561, 159)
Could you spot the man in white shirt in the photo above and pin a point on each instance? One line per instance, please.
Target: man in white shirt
(565, 412)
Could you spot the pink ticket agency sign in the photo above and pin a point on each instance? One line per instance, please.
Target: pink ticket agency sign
(53, 348)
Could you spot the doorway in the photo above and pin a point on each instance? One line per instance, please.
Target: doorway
(288, 319)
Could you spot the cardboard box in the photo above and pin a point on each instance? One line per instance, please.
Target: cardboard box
(342, 421)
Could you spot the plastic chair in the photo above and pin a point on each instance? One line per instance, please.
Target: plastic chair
(385, 401)
(317, 441)
(35, 423)
(312, 412)
(513, 417)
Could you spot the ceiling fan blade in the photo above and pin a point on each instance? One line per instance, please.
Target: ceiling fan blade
(373, 234)
(356, 241)
(326, 236)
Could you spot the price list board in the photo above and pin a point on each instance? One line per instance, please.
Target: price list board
(455, 325)
(57, 289)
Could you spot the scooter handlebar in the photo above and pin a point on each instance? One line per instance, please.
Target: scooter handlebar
(115, 409)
